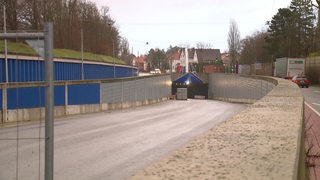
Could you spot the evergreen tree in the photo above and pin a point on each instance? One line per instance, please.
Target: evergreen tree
(304, 19)
(280, 36)
(291, 31)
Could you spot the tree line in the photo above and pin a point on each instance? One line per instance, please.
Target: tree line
(293, 32)
(74, 21)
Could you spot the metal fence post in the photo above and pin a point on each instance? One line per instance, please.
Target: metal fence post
(4, 103)
(49, 94)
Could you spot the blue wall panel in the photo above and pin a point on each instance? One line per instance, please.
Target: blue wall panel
(1, 99)
(83, 94)
(20, 70)
(33, 97)
(92, 71)
(30, 97)
(2, 71)
(67, 71)
(25, 70)
(122, 72)
(59, 96)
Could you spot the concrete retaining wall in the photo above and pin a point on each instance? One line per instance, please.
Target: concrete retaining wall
(265, 141)
(39, 113)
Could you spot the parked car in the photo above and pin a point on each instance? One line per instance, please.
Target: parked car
(301, 81)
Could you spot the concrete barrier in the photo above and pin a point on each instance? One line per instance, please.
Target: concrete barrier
(32, 114)
(265, 141)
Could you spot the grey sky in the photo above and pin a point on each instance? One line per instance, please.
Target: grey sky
(187, 22)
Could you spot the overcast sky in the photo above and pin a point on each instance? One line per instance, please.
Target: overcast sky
(162, 23)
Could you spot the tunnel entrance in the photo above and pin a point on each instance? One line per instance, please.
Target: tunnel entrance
(190, 84)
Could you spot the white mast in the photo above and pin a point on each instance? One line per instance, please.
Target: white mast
(187, 60)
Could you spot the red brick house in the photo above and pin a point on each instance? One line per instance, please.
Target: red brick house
(140, 63)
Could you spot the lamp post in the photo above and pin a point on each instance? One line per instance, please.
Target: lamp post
(82, 68)
(114, 65)
(113, 53)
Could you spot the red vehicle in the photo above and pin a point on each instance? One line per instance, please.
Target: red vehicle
(301, 81)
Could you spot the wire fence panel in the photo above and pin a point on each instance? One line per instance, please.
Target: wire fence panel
(148, 88)
(141, 89)
(313, 69)
(237, 87)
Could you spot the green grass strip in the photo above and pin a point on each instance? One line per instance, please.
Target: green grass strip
(24, 49)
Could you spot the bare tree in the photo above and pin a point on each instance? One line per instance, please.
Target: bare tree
(124, 53)
(234, 42)
(12, 13)
(253, 48)
(201, 45)
(318, 6)
(70, 18)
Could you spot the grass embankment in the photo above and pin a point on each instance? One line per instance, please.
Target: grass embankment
(24, 49)
(314, 54)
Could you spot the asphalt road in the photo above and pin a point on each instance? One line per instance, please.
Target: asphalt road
(111, 145)
(312, 96)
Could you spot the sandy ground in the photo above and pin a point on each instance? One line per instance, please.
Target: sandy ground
(261, 142)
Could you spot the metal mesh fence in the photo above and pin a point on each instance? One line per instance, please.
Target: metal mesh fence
(237, 87)
(313, 69)
(136, 89)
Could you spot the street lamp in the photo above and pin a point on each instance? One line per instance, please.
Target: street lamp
(113, 53)
(82, 68)
(114, 65)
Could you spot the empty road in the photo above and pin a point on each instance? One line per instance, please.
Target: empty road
(312, 96)
(109, 145)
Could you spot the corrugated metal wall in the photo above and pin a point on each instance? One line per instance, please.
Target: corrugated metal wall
(92, 71)
(237, 87)
(67, 71)
(24, 70)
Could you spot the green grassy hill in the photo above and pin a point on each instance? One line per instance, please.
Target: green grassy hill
(23, 49)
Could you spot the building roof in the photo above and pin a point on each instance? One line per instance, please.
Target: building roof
(191, 53)
(175, 55)
(208, 54)
(139, 59)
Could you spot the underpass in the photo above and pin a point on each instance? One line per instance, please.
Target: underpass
(111, 145)
(273, 122)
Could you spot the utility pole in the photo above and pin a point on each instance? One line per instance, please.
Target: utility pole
(114, 65)
(82, 68)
